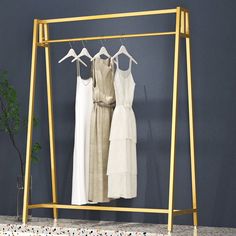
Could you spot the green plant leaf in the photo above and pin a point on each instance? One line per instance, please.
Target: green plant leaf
(35, 150)
(34, 159)
(35, 121)
(36, 147)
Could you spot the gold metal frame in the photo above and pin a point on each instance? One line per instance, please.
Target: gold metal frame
(41, 39)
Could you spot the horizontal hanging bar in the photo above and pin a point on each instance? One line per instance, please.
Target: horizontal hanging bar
(108, 16)
(110, 208)
(106, 37)
(98, 208)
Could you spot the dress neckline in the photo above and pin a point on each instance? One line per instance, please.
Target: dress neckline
(106, 62)
(88, 81)
(123, 72)
(128, 77)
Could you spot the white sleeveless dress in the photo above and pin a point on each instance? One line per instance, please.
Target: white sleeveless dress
(83, 108)
(122, 160)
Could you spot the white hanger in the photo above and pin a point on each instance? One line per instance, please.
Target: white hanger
(84, 52)
(102, 51)
(71, 53)
(124, 51)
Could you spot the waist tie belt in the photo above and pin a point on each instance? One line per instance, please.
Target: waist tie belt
(103, 104)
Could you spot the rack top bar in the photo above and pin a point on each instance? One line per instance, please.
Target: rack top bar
(108, 16)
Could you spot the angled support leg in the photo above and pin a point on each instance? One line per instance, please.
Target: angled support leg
(30, 123)
(174, 122)
(51, 121)
(191, 123)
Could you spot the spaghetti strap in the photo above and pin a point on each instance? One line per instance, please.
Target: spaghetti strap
(77, 68)
(93, 73)
(130, 64)
(117, 62)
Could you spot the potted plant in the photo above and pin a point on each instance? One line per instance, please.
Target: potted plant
(12, 124)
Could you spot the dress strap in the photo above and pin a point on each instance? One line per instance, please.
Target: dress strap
(77, 68)
(117, 62)
(109, 61)
(130, 64)
(93, 73)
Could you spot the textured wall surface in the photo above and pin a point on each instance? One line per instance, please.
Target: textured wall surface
(214, 83)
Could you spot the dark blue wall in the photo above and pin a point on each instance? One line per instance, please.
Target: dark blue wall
(214, 82)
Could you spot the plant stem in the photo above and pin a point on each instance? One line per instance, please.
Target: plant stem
(12, 138)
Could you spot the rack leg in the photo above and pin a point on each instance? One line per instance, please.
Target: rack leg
(174, 122)
(191, 125)
(51, 121)
(30, 124)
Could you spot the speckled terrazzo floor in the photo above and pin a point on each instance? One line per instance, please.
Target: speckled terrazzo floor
(42, 226)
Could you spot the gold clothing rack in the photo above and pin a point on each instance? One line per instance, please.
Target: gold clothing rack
(41, 39)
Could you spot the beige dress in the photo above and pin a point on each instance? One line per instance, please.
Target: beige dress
(103, 105)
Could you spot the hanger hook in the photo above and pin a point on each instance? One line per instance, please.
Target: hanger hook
(83, 43)
(121, 41)
(70, 45)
